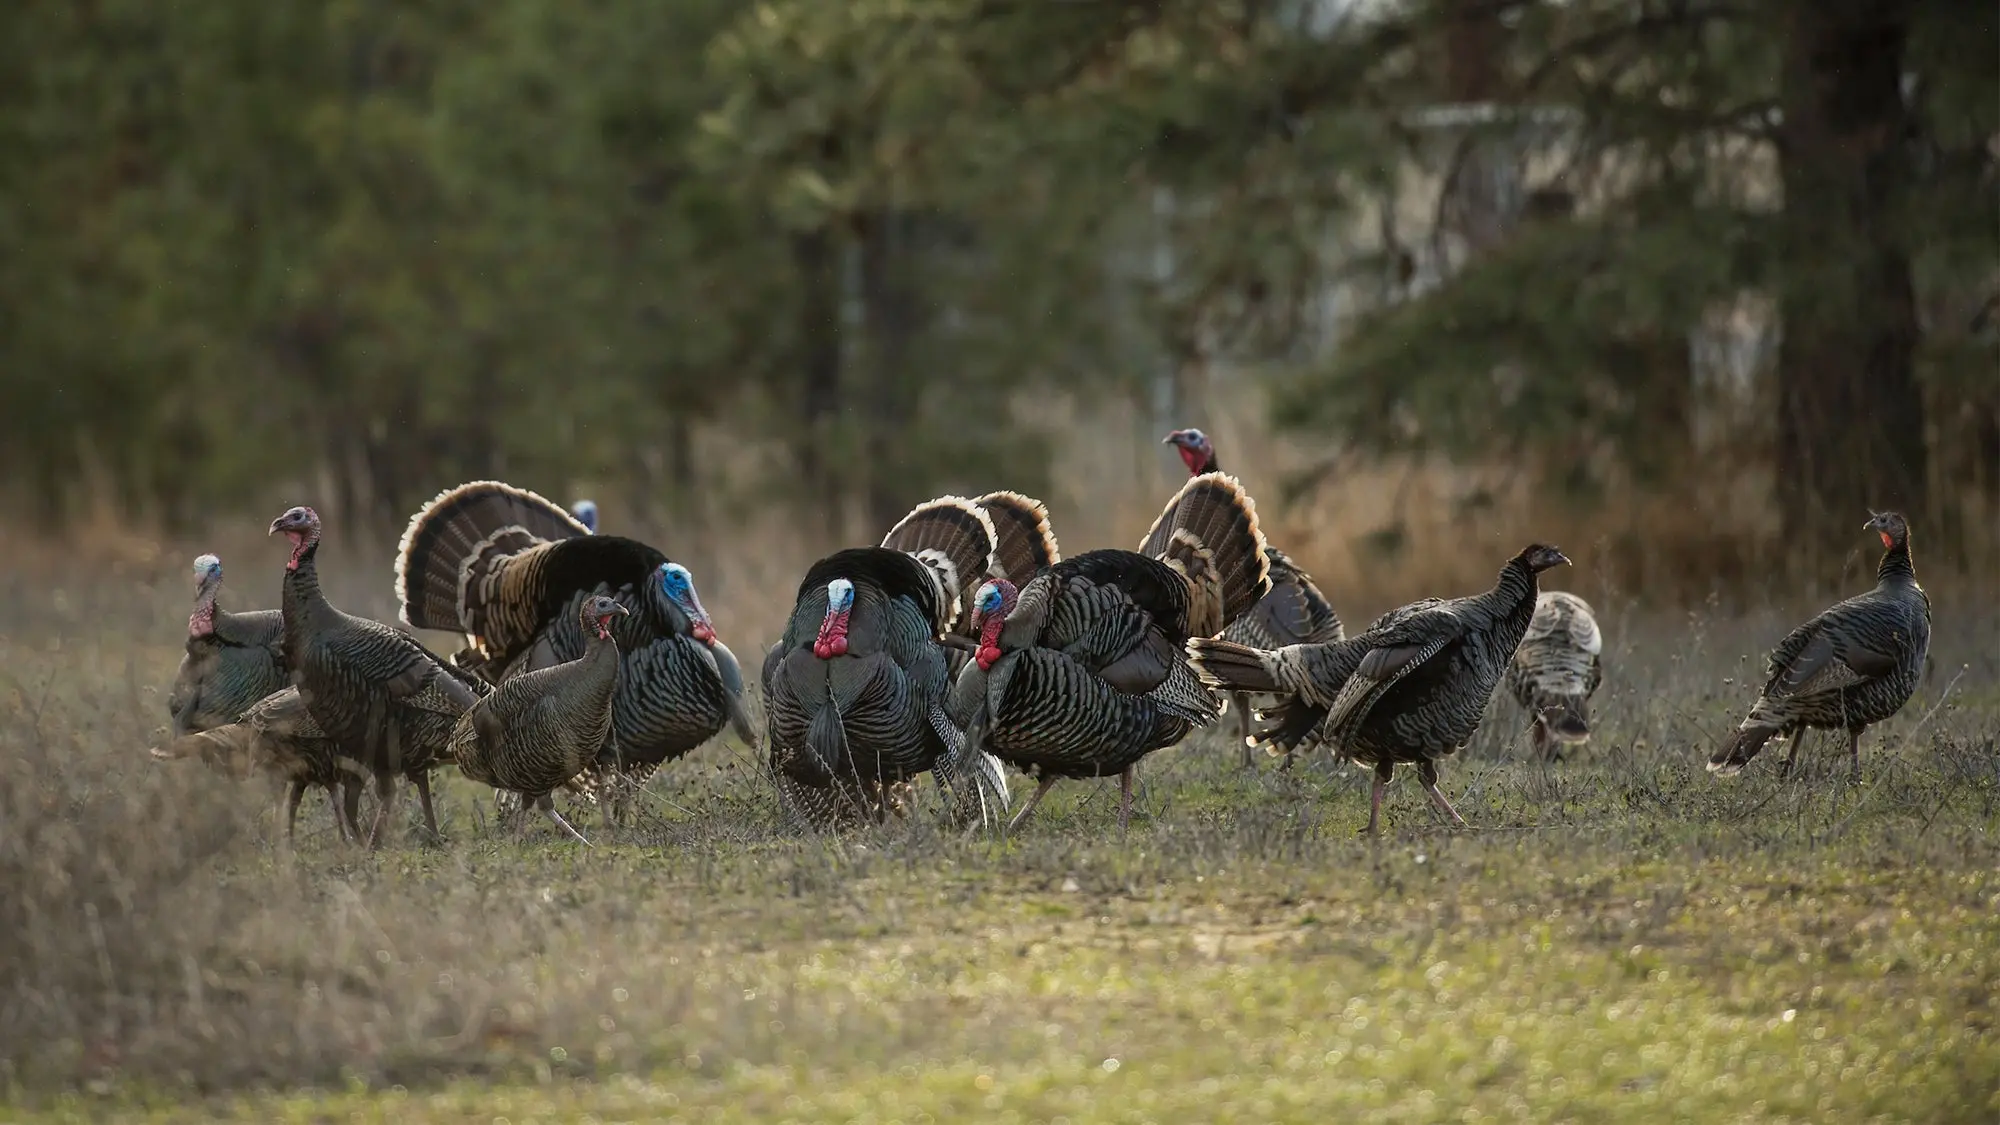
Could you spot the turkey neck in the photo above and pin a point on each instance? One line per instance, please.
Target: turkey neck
(305, 607)
(1896, 565)
(1517, 589)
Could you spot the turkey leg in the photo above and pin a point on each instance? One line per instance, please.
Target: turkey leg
(547, 804)
(1383, 774)
(423, 781)
(1792, 750)
(1428, 775)
(1125, 798)
(1242, 704)
(1854, 753)
(294, 793)
(1034, 799)
(349, 813)
(385, 803)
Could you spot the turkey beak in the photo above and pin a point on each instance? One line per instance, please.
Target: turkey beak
(1562, 559)
(275, 528)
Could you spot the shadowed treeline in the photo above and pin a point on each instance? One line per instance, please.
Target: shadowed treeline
(1676, 277)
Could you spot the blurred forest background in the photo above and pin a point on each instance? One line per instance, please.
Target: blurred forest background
(1708, 276)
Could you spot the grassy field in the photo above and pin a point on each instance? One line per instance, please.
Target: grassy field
(1617, 938)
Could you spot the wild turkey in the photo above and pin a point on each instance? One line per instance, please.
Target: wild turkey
(1294, 612)
(1081, 672)
(1556, 671)
(1419, 681)
(585, 512)
(540, 729)
(277, 736)
(386, 701)
(233, 659)
(1849, 668)
(1304, 678)
(511, 571)
(855, 690)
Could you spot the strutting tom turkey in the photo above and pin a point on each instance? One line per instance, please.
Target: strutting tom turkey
(385, 700)
(1294, 612)
(855, 689)
(1556, 671)
(511, 570)
(1847, 669)
(1081, 673)
(542, 728)
(1411, 689)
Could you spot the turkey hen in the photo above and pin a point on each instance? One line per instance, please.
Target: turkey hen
(1081, 672)
(541, 729)
(1847, 669)
(384, 699)
(511, 571)
(276, 736)
(1556, 671)
(233, 659)
(1294, 612)
(855, 690)
(1411, 689)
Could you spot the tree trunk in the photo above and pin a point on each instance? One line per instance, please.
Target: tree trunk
(815, 255)
(1851, 415)
(893, 314)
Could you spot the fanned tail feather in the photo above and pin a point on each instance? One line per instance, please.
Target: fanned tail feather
(1025, 543)
(1730, 758)
(1211, 524)
(460, 531)
(954, 537)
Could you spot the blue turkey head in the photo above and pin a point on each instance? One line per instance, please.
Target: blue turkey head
(585, 512)
(678, 586)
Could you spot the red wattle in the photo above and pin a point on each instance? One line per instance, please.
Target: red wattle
(987, 656)
(703, 632)
(832, 639)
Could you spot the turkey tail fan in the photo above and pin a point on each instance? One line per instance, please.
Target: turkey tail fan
(1026, 542)
(458, 535)
(955, 538)
(1232, 667)
(1211, 526)
(1730, 758)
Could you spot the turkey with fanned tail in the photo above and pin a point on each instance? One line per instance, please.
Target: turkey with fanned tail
(854, 691)
(1294, 612)
(1411, 689)
(1847, 669)
(1081, 672)
(511, 571)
